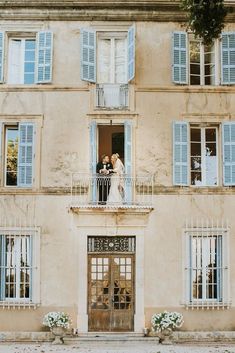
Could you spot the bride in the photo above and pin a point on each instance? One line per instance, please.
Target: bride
(116, 192)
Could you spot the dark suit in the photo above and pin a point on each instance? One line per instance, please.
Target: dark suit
(103, 181)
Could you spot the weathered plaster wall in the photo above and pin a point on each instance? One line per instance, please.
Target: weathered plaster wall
(64, 146)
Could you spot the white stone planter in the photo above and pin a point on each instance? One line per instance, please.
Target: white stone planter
(166, 336)
(59, 333)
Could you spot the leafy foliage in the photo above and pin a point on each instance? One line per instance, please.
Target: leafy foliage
(205, 18)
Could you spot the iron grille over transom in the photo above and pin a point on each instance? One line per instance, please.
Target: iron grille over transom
(104, 244)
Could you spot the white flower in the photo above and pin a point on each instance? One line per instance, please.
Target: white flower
(56, 318)
(166, 320)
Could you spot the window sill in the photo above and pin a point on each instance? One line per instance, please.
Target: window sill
(18, 305)
(207, 305)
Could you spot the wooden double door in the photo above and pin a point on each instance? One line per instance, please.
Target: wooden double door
(111, 289)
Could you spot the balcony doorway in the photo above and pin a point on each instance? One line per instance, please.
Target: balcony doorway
(111, 140)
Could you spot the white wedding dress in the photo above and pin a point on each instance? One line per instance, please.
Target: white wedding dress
(116, 192)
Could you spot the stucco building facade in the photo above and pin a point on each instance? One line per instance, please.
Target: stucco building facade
(80, 79)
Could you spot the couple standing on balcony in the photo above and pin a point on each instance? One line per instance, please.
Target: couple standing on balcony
(110, 180)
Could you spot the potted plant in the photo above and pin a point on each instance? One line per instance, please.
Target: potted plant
(164, 323)
(58, 322)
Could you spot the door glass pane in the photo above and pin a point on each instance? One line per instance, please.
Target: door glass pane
(122, 289)
(99, 286)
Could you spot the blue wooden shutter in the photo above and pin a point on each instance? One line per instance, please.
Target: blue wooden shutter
(180, 153)
(228, 58)
(2, 36)
(1, 159)
(88, 55)
(229, 153)
(131, 53)
(25, 154)
(2, 264)
(180, 58)
(44, 57)
(93, 159)
(128, 160)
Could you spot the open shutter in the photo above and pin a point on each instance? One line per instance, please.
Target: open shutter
(131, 53)
(128, 160)
(228, 58)
(93, 159)
(2, 36)
(44, 57)
(180, 153)
(2, 266)
(1, 159)
(180, 58)
(229, 153)
(25, 154)
(88, 55)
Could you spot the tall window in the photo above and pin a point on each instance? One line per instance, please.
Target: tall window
(202, 62)
(112, 58)
(206, 267)
(16, 267)
(204, 156)
(19, 154)
(21, 61)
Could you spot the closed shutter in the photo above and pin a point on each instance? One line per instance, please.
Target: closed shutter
(229, 154)
(44, 57)
(131, 53)
(93, 159)
(25, 154)
(228, 58)
(2, 35)
(180, 153)
(180, 58)
(128, 160)
(88, 55)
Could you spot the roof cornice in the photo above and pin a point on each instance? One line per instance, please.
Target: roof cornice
(121, 10)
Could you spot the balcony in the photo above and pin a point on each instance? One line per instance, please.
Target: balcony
(112, 96)
(92, 191)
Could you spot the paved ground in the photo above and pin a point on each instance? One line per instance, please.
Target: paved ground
(115, 347)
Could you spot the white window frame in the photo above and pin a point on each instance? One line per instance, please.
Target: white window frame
(203, 159)
(112, 36)
(202, 66)
(206, 232)
(22, 60)
(34, 233)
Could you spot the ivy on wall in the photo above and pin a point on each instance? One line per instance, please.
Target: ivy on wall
(205, 18)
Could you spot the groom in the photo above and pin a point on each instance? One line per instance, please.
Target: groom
(103, 179)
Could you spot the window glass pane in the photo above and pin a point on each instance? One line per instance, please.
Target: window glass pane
(120, 60)
(211, 162)
(194, 62)
(29, 61)
(196, 158)
(11, 156)
(14, 61)
(17, 266)
(209, 64)
(206, 266)
(104, 61)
